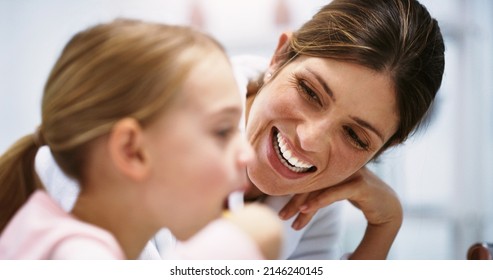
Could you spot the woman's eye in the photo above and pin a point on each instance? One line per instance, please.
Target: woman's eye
(355, 139)
(308, 92)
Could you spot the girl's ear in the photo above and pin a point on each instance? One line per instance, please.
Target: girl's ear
(281, 52)
(126, 149)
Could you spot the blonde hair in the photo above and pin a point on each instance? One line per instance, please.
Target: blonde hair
(125, 68)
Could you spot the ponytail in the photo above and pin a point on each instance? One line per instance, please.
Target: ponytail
(18, 177)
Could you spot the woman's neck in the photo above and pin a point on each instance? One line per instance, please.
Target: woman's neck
(253, 193)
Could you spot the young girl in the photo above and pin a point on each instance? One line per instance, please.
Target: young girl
(145, 117)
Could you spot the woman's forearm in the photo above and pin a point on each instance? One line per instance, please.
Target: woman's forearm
(376, 242)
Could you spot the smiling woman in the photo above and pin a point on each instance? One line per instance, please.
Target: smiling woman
(353, 81)
(342, 118)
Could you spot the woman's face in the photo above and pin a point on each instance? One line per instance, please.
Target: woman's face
(198, 154)
(316, 122)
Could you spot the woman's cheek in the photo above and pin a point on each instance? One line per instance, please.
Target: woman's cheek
(346, 161)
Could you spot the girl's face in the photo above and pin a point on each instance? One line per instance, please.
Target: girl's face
(198, 154)
(317, 122)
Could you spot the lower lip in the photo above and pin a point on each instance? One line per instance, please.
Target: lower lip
(277, 164)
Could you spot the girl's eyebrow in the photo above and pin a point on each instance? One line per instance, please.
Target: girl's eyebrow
(330, 93)
(227, 110)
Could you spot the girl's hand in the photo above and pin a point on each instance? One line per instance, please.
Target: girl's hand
(377, 201)
(262, 225)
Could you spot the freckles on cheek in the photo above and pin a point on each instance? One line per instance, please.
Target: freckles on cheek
(276, 98)
(355, 163)
(282, 109)
(282, 102)
(347, 162)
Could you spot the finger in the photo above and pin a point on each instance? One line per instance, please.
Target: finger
(327, 197)
(302, 220)
(311, 196)
(293, 205)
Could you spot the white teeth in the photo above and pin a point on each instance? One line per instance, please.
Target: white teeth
(287, 154)
(283, 147)
(287, 158)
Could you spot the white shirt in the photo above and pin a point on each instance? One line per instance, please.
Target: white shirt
(317, 240)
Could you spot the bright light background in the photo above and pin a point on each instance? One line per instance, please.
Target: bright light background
(443, 176)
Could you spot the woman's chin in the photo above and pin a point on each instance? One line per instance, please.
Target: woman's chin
(270, 189)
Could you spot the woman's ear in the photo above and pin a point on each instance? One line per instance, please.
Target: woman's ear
(281, 52)
(126, 149)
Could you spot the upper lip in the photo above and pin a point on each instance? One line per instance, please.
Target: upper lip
(293, 149)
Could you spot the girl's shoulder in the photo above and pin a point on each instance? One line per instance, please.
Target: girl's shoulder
(41, 229)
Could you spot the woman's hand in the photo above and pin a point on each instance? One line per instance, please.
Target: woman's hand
(377, 201)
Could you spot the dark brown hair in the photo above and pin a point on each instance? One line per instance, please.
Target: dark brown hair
(398, 37)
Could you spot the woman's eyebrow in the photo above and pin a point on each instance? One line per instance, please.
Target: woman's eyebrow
(367, 125)
(323, 83)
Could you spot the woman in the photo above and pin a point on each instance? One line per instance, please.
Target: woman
(353, 81)
(144, 117)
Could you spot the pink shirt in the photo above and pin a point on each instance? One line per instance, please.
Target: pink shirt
(42, 230)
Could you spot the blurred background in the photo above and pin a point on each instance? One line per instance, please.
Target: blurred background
(443, 175)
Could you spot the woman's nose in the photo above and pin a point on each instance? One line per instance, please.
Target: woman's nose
(314, 135)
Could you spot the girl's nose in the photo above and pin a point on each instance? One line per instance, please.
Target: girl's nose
(245, 153)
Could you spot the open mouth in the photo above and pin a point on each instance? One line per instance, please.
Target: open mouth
(286, 156)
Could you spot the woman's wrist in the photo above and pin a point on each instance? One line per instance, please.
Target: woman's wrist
(377, 241)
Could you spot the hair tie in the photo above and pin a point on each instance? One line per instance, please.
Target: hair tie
(38, 137)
